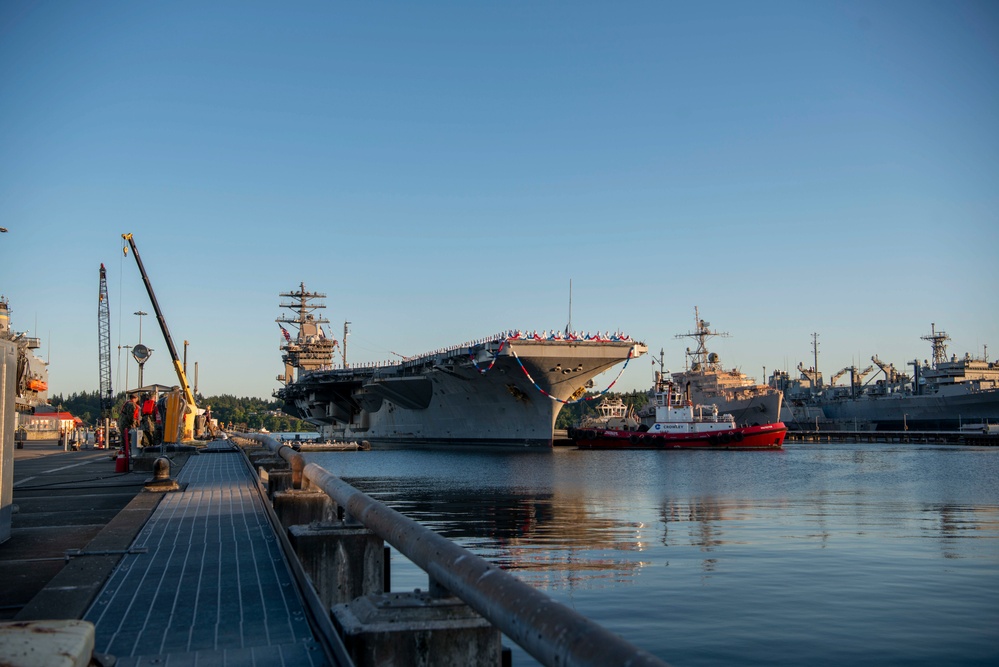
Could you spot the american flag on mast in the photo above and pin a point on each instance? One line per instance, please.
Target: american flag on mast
(287, 336)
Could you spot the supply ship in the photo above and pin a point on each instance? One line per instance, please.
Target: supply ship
(504, 390)
(942, 393)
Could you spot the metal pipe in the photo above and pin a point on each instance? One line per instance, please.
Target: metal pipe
(548, 630)
(294, 460)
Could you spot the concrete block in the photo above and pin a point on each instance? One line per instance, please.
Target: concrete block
(278, 481)
(294, 507)
(343, 561)
(46, 643)
(269, 463)
(415, 629)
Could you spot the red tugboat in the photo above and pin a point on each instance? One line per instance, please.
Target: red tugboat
(681, 425)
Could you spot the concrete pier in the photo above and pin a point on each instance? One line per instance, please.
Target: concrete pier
(209, 574)
(208, 581)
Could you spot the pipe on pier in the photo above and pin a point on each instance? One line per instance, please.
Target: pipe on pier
(548, 630)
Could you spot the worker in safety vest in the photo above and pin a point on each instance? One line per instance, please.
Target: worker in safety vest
(148, 419)
(160, 417)
(127, 420)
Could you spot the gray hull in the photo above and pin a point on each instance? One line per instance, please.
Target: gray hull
(754, 411)
(933, 412)
(455, 398)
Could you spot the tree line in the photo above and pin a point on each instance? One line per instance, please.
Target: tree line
(242, 412)
(256, 413)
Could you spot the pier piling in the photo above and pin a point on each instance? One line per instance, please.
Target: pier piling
(295, 507)
(343, 561)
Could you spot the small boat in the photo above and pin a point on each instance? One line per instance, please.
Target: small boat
(679, 424)
(37, 385)
(612, 413)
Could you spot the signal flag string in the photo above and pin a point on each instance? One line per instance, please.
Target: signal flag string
(578, 400)
(471, 355)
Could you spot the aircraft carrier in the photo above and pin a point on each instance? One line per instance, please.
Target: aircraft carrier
(504, 390)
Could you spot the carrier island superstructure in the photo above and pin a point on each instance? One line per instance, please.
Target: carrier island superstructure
(504, 390)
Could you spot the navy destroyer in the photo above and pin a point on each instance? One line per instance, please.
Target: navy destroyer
(504, 390)
(705, 382)
(941, 393)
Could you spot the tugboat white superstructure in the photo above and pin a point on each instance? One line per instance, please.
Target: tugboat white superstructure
(679, 424)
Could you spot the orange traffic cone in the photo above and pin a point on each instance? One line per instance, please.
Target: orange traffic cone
(121, 462)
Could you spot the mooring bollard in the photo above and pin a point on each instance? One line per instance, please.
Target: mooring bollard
(161, 480)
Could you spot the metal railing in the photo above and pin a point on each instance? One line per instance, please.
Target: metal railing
(548, 630)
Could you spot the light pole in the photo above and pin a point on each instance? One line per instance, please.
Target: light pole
(140, 313)
(141, 362)
(127, 348)
(343, 348)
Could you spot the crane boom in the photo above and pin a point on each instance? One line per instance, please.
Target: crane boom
(181, 376)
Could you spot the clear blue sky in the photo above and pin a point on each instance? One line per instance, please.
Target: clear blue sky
(443, 169)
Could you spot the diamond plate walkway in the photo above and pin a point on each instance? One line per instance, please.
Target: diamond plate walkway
(213, 587)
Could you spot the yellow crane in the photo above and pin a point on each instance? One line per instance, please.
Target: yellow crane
(178, 367)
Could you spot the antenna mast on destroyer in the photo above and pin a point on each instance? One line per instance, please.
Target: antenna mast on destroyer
(311, 349)
(700, 359)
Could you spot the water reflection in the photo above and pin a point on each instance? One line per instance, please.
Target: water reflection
(893, 548)
(568, 521)
(555, 538)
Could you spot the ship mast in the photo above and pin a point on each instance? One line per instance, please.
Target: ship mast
(938, 339)
(311, 349)
(700, 359)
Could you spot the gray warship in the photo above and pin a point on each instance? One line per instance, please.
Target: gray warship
(734, 392)
(504, 390)
(32, 382)
(941, 393)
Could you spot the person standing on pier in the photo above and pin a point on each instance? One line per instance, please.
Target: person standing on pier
(160, 418)
(148, 419)
(127, 420)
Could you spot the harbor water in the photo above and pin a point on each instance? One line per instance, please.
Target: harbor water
(820, 554)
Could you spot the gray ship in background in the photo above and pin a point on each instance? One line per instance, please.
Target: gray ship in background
(31, 389)
(941, 394)
(735, 393)
(504, 390)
